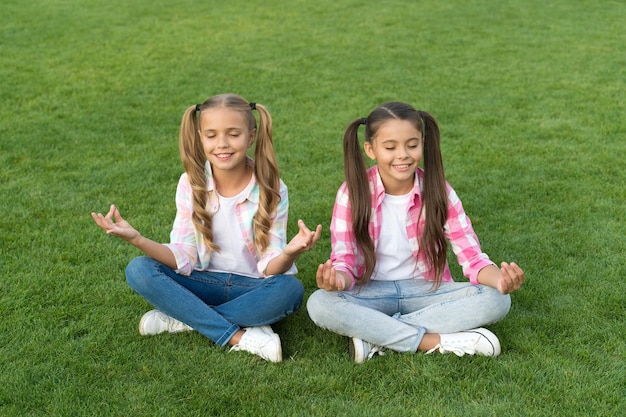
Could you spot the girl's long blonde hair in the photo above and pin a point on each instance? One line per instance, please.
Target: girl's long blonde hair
(265, 166)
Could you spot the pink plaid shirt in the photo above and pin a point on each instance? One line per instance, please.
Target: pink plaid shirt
(347, 257)
(187, 244)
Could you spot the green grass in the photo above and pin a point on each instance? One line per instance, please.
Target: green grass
(530, 97)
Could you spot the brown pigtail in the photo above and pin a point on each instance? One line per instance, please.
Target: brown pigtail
(433, 241)
(355, 171)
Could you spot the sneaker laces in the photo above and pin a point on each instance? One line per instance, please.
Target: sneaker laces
(375, 349)
(174, 325)
(256, 345)
(441, 349)
(248, 342)
(463, 343)
(253, 344)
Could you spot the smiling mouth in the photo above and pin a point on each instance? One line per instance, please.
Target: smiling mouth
(402, 167)
(223, 155)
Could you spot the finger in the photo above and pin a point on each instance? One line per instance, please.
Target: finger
(508, 270)
(335, 281)
(312, 238)
(518, 271)
(100, 219)
(319, 276)
(324, 276)
(504, 285)
(117, 214)
(512, 278)
(512, 267)
(341, 285)
(97, 217)
(328, 275)
(317, 234)
(110, 213)
(515, 273)
(303, 227)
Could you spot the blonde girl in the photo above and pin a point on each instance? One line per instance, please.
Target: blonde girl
(228, 271)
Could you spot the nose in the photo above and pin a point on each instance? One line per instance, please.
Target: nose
(222, 141)
(403, 152)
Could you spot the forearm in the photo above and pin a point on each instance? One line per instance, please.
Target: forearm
(280, 264)
(490, 276)
(155, 250)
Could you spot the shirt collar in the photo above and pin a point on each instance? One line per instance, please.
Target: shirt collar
(377, 188)
(253, 190)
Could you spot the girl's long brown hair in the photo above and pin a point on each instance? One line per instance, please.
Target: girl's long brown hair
(265, 166)
(434, 195)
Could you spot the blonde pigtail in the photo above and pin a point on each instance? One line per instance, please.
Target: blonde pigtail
(267, 176)
(194, 159)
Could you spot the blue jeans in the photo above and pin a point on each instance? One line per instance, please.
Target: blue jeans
(397, 314)
(215, 304)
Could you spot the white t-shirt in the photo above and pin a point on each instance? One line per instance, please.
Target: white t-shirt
(394, 257)
(233, 257)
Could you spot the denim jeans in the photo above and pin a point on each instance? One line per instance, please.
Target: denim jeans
(397, 314)
(215, 304)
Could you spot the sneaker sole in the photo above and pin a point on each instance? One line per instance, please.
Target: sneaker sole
(141, 331)
(354, 351)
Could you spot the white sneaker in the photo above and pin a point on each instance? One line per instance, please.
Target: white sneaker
(267, 329)
(155, 322)
(261, 341)
(361, 351)
(476, 341)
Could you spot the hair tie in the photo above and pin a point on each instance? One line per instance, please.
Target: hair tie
(252, 106)
(422, 123)
(198, 107)
(363, 120)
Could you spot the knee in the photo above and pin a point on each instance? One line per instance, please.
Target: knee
(500, 304)
(137, 274)
(296, 289)
(317, 306)
(287, 288)
(292, 285)
(505, 304)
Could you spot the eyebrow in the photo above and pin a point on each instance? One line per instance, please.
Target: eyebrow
(396, 140)
(227, 129)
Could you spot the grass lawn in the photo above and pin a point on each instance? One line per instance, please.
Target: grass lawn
(530, 97)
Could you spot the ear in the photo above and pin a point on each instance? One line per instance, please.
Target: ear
(251, 138)
(369, 150)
